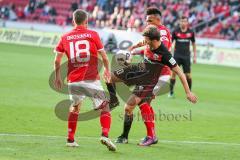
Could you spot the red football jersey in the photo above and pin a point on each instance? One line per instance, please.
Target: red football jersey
(166, 39)
(81, 47)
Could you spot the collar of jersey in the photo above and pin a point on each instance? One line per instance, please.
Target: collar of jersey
(79, 28)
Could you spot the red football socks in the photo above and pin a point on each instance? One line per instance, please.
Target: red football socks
(148, 117)
(105, 120)
(72, 125)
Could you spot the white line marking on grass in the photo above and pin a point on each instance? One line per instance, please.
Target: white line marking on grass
(96, 138)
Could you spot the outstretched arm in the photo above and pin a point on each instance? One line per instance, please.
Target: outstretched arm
(190, 96)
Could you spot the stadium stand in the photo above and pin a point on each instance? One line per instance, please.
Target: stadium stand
(211, 18)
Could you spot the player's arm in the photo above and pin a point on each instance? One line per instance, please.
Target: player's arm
(136, 51)
(190, 96)
(103, 54)
(57, 66)
(107, 74)
(59, 52)
(168, 60)
(139, 44)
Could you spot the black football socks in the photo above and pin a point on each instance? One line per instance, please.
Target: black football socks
(189, 80)
(128, 119)
(172, 83)
(113, 96)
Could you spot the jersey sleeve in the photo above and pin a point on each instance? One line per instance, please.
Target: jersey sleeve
(193, 37)
(166, 37)
(59, 47)
(98, 42)
(167, 58)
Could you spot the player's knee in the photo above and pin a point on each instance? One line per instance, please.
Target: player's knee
(128, 110)
(75, 108)
(105, 106)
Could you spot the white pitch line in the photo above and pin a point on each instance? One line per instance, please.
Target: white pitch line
(95, 138)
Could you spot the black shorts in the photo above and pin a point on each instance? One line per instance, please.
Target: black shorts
(143, 76)
(185, 63)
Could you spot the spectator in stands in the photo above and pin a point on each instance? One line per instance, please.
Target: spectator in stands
(12, 14)
(20, 13)
(31, 6)
(4, 12)
(129, 14)
(41, 4)
(74, 5)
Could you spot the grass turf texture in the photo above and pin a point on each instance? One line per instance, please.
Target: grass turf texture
(27, 108)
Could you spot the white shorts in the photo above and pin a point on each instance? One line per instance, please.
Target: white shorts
(162, 81)
(82, 89)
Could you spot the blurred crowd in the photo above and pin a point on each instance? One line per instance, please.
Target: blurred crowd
(127, 14)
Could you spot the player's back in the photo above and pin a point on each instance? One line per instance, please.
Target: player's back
(81, 46)
(166, 37)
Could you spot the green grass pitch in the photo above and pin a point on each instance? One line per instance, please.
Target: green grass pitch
(29, 128)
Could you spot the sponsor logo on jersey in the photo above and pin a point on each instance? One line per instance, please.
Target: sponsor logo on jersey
(183, 40)
(164, 38)
(163, 32)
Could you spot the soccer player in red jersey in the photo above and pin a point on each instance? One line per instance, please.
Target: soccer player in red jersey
(153, 18)
(82, 47)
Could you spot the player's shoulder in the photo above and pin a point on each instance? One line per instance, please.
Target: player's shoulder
(64, 35)
(163, 30)
(90, 31)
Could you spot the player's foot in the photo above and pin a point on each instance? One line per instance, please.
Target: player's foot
(121, 139)
(171, 95)
(147, 141)
(71, 143)
(107, 142)
(113, 102)
(143, 140)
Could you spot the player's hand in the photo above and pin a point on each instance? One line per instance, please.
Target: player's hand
(192, 97)
(107, 75)
(194, 60)
(58, 83)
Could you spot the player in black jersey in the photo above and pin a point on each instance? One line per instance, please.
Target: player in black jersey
(182, 37)
(144, 76)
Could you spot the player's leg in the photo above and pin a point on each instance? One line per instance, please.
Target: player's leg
(180, 62)
(128, 118)
(173, 78)
(187, 71)
(148, 117)
(161, 85)
(101, 103)
(73, 119)
(172, 84)
(111, 86)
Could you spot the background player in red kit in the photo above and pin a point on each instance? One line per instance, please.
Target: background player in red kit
(82, 46)
(153, 18)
